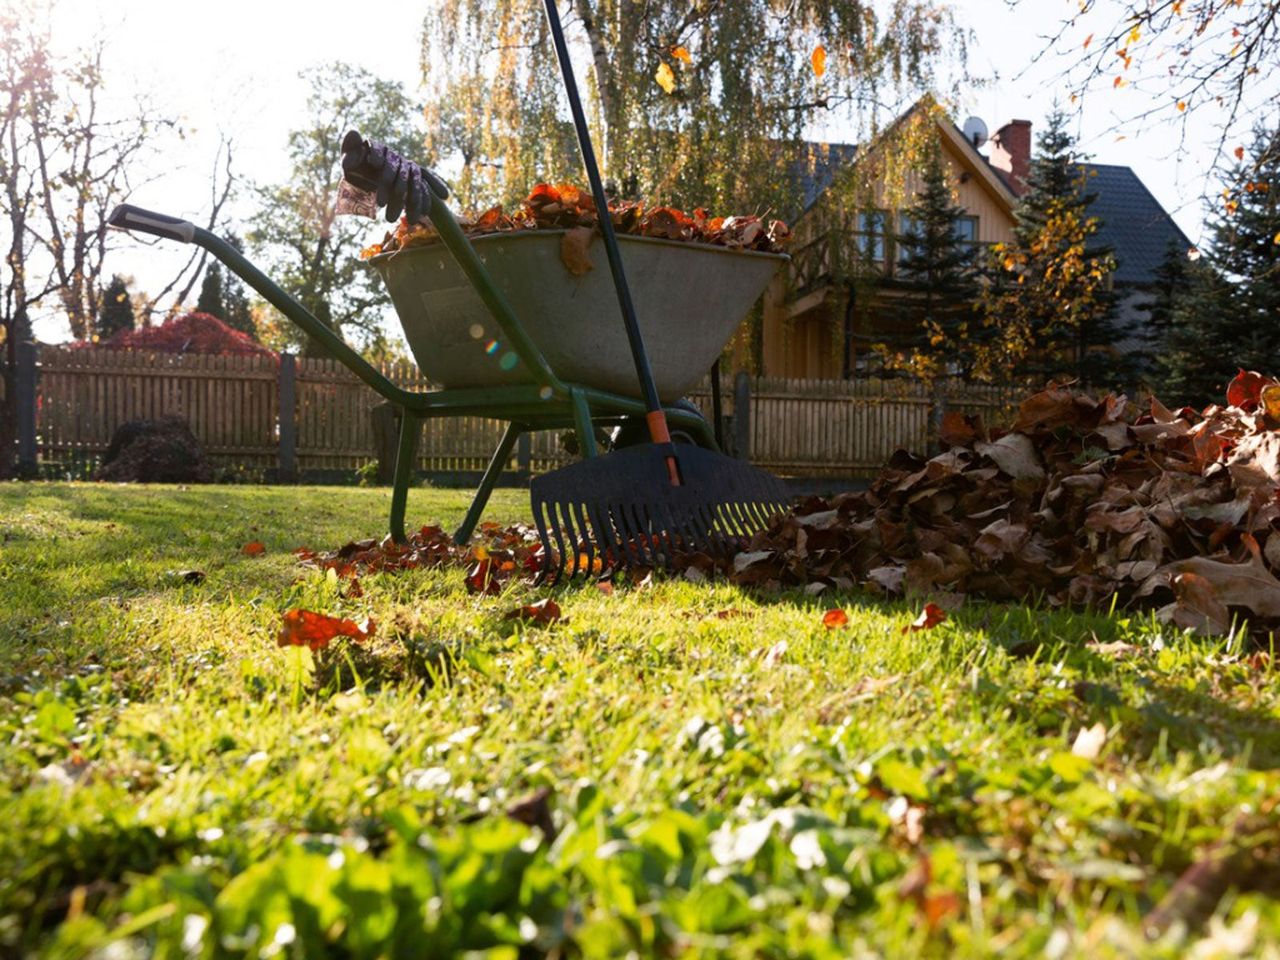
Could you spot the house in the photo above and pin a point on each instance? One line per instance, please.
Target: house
(816, 326)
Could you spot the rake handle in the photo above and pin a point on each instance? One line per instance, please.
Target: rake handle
(654, 418)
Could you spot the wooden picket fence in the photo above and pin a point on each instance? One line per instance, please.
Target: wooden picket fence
(794, 427)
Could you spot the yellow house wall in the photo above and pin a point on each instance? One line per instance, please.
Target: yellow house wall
(802, 337)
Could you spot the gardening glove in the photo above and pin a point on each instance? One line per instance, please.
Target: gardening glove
(399, 184)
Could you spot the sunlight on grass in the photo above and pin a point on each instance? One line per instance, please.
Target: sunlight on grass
(679, 768)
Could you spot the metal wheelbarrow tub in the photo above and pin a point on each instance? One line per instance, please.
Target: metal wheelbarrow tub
(689, 297)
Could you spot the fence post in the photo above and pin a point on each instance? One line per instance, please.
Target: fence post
(288, 425)
(742, 415)
(25, 384)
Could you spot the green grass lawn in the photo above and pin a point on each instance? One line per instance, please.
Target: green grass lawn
(724, 776)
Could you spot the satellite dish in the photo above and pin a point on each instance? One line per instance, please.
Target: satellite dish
(975, 131)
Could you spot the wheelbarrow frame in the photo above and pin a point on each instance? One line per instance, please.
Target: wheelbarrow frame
(547, 403)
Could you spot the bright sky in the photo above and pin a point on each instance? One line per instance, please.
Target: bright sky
(234, 65)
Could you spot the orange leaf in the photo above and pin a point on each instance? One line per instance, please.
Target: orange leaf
(1239, 152)
(1182, 106)
(818, 59)
(682, 54)
(1087, 40)
(253, 548)
(834, 618)
(605, 587)
(930, 617)
(304, 628)
(544, 611)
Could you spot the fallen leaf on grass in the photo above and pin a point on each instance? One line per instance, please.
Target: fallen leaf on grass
(188, 576)
(835, 618)
(1090, 741)
(934, 907)
(544, 611)
(930, 617)
(305, 628)
(253, 548)
(605, 587)
(534, 810)
(481, 578)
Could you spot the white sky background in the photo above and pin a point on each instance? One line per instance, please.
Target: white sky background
(234, 65)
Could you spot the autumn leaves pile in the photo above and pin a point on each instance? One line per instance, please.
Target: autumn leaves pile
(566, 207)
(1084, 502)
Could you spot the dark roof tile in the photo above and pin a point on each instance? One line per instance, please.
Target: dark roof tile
(1133, 223)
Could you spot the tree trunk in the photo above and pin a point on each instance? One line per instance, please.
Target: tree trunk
(600, 65)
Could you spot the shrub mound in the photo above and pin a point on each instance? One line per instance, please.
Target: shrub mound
(155, 451)
(190, 333)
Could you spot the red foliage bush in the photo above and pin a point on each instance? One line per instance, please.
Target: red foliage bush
(190, 333)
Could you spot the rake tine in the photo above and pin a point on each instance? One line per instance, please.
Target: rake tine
(574, 538)
(540, 525)
(559, 535)
(639, 523)
(602, 522)
(729, 520)
(588, 538)
(627, 537)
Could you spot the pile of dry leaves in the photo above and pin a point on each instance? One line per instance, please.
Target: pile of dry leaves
(566, 207)
(1083, 502)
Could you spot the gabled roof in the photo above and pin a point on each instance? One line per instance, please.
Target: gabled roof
(1133, 223)
(816, 171)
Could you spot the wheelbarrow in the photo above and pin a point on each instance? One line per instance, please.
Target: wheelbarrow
(507, 333)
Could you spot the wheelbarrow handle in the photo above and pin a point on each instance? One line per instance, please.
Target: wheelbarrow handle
(137, 220)
(128, 217)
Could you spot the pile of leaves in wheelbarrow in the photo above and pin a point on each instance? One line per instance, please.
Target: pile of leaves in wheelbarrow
(1085, 501)
(566, 207)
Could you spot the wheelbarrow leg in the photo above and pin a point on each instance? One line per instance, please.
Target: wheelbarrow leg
(491, 474)
(410, 427)
(583, 426)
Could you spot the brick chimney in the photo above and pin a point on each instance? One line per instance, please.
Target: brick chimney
(1011, 153)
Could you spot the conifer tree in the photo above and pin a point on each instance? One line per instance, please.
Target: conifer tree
(1052, 315)
(1172, 284)
(1230, 317)
(936, 273)
(1196, 359)
(116, 312)
(210, 299)
(235, 299)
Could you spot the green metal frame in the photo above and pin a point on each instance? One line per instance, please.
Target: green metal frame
(547, 403)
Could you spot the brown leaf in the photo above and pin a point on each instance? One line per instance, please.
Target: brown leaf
(253, 548)
(544, 612)
(575, 250)
(1015, 455)
(305, 628)
(1197, 607)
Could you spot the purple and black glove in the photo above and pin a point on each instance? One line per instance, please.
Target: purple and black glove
(399, 184)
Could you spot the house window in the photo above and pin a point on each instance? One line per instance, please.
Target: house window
(967, 230)
(872, 226)
(910, 228)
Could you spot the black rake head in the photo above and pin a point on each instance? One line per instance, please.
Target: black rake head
(621, 510)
